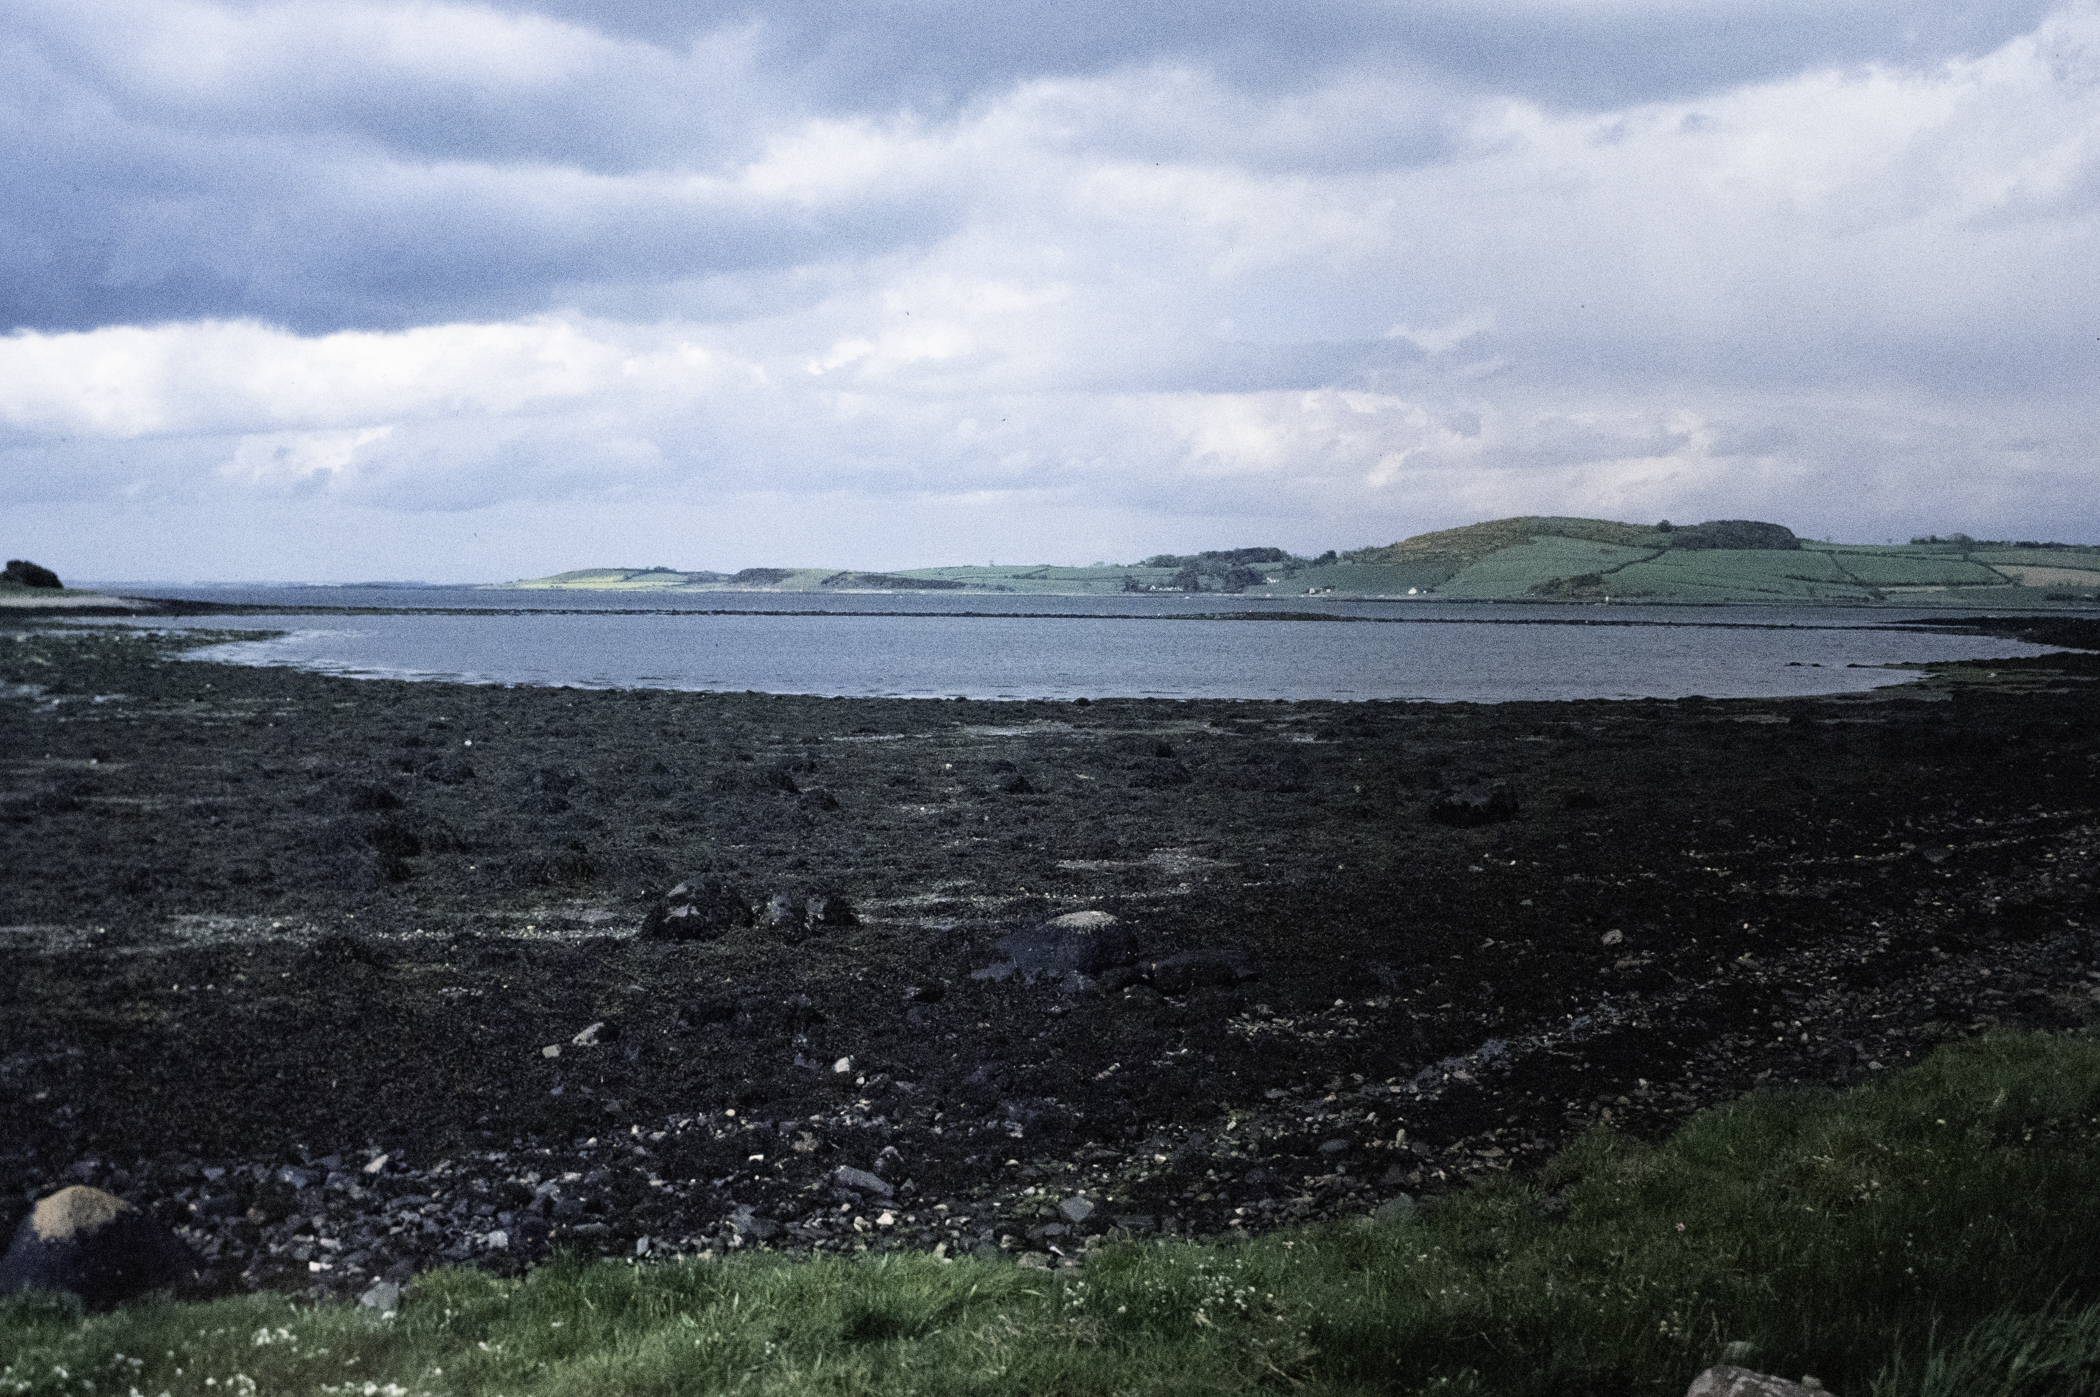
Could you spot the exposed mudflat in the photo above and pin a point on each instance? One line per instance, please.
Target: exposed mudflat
(285, 955)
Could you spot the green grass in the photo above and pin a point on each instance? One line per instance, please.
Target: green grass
(1511, 571)
(1920, 569)
(1932, 1233)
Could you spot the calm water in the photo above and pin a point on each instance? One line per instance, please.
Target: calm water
(1069, 647)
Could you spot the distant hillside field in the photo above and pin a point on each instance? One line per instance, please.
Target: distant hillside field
(1526, 558)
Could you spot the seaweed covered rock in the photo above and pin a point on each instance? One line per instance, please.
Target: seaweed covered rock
(1468, 806)
(701, 908)
(97, 1246)
(1083, 942)
(801, 912)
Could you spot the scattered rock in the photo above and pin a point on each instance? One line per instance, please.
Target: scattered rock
(1075, 1210)
(699, 909)
(97, 1246)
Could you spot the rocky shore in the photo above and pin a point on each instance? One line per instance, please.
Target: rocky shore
(347, 978)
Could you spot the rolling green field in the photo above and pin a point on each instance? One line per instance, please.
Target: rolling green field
(1505, 560)
(1926, 1235)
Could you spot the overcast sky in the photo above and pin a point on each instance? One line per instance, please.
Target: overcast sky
(333, 290)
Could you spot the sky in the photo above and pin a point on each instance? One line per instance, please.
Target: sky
(336, 290)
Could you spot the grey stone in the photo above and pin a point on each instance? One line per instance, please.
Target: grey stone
(1724, 1381)
(748, 1223)
(860, 1180)
(97, 1246)
(1396, 1209)
(384, 1296)
(1075, 1210)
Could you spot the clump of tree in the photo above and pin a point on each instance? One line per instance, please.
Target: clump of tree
(1750, 535)
(1214, 570)
(24, 573)
(1217, 578)
(1963, 541)
(891, 581)
(1218, 557)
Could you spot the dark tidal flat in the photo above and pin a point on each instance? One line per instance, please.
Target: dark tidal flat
(284, 952)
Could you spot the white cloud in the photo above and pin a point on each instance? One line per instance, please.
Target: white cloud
(1141, 297)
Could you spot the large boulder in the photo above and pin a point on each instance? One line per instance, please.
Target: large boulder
(701, 908)
(1085, 943)
(97, 1246)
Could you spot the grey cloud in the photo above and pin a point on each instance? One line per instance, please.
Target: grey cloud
(930, 53)
(322, 188)
(1241, 367)
(319, 241)
(579, 98)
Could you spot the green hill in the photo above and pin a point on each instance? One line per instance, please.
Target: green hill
(1537, 558)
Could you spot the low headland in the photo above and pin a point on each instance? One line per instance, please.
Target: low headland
(1115, 1046)
(1531, 558)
